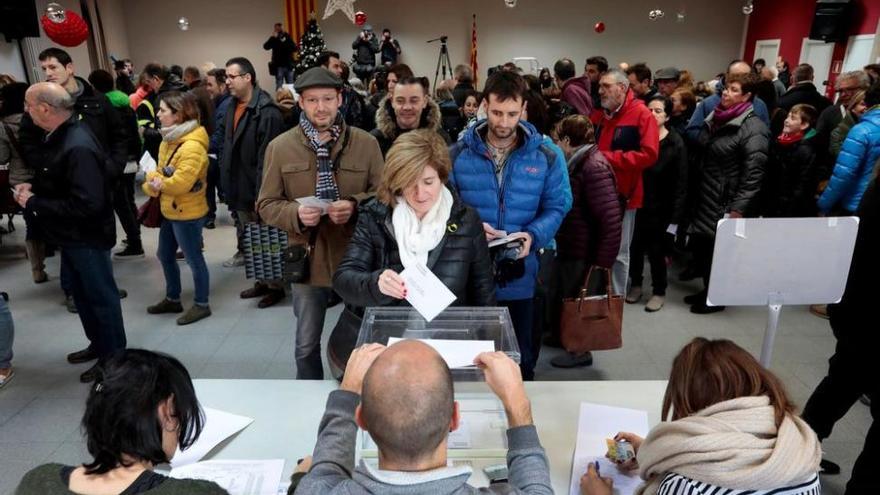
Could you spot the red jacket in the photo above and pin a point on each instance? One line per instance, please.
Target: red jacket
(630, 141)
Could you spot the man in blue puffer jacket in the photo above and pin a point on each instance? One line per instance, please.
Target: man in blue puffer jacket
(503, 168)
(856, 161)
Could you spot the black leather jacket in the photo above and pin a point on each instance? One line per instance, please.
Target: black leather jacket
(461, 260)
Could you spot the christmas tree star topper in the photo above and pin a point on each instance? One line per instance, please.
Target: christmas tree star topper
(346, 6)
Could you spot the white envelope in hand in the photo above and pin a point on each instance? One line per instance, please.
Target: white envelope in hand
(147, 163)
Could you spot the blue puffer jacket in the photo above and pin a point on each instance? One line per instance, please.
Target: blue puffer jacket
(855, 165)
(531, 197)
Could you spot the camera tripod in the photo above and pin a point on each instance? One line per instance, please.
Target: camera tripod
(442, 60)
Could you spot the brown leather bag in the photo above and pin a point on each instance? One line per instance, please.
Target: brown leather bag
(592, 323)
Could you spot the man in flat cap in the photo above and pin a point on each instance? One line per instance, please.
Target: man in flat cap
(339, 165)
(667, 80)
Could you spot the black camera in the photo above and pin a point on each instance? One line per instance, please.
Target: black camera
(508, 266)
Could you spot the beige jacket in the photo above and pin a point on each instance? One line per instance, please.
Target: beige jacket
(290, 171)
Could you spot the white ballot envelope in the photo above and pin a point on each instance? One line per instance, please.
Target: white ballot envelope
(425, 292)
(219, 425)
(315, 202)
(147, 163)
(456, 353)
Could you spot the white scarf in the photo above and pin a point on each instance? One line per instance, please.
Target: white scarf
(415, 238)
(733, 444)
(177, 131)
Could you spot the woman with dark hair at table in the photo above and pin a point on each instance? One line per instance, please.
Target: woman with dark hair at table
(141, 408)
(728, 427)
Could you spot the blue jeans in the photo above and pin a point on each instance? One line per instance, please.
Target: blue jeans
(188, 235)
(7, 334)
(620, 270)
(309, 307)
(522, 315)
(283, 75)
(96, 297)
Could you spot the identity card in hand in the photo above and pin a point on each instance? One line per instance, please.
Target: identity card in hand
(315, 202)
(425, 292)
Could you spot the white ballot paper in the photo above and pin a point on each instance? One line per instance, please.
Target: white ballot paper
(315, 202)
(250, 477)
(456, 353)
(504, 240)
(625, 482)
(425, 292)
(147, 163)
(219, 426)
(595, 424)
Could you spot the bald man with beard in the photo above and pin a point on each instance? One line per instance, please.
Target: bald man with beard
(403, 396)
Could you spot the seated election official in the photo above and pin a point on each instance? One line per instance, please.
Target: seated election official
(403, 396)
(728, 427)
(137, 414)
(415, 219)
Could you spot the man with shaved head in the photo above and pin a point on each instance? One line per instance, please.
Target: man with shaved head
(707, 106)
(403, 396)
(71, 195)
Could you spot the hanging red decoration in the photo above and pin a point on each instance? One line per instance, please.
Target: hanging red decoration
(64, 28)
(599, 27)
(360, 18)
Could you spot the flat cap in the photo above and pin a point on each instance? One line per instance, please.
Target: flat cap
(317, 77)
(667, 73)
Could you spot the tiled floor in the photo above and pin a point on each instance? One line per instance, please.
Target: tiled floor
(41, 408)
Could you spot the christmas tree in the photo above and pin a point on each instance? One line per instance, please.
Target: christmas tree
(310, 46)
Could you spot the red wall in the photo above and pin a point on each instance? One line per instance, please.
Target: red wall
(790, 21)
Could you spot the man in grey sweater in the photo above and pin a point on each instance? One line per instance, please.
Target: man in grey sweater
(403, 396)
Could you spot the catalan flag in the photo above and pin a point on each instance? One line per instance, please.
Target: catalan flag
(474, 65)
(296, 17)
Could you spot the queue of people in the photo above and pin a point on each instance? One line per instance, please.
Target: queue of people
(626, 165)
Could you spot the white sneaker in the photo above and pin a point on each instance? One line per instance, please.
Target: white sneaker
(655, 303)
(237, 260)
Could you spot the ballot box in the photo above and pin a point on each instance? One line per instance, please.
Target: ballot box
(458, 334)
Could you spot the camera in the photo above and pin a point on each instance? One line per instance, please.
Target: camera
(508, 266)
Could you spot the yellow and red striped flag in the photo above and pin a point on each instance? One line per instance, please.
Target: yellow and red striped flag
(296, 17)
(474, 65)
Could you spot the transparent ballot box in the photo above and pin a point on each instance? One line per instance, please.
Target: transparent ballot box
(458, 333)
(481, 437)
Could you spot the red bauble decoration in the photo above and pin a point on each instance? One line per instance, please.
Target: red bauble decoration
(72, 31)
(599, 27)
(360, 18)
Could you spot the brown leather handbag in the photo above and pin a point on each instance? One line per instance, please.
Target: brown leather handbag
(592, 323)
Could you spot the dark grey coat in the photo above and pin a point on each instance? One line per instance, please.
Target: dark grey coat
(244, 148)
(732, 169)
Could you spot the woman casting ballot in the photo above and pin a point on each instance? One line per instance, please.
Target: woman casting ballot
(415, 219)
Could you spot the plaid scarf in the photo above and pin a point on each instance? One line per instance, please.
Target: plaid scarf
(326, 185)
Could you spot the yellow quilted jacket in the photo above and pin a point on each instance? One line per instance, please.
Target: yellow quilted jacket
(183, 193)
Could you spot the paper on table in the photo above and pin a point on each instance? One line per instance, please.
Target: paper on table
(219, 425)
(250, 477)
(625, 482)
(425, 292)
(314, 202)
(147, 163)
(596, 423)
(461, 437)
(456, 353)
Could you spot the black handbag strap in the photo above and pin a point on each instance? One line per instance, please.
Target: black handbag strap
(168, 162)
